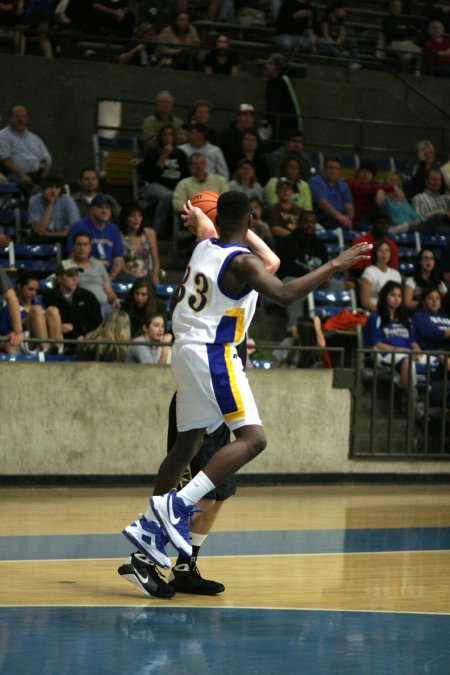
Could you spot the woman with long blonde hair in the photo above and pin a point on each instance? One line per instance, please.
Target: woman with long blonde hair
(116, 327)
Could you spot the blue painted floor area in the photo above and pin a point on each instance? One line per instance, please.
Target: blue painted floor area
(55, 547)
(153, 641)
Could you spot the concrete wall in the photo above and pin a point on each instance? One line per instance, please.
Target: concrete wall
(111, 419)
(62, 96)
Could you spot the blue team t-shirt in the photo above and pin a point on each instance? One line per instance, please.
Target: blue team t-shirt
(106, 243)
(392, 333)
(430, 329)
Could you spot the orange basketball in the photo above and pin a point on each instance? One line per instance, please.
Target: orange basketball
(207, 202)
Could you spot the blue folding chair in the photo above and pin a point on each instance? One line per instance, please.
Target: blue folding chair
(13, 213)
(325, 303)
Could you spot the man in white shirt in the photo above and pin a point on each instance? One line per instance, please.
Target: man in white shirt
(215, 161)
(199, 180)
(432, 206)
(24, 157)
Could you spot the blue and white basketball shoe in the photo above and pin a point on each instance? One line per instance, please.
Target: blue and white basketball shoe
(150, 539)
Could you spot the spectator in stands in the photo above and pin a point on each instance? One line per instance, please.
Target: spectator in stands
(40, 14)
(293, 145)
(300, 252)
(5, 239)
(222, 60)
(291, 170)
(283, 110)
(389, 329)
(231, 137)
(178, 44)
(79, 309)
(427, 160)
(11, 13)
(36, 322)
(141, 301)
(106, 240)
(432, 206)
(163, 115)
(250, 148)
(445, 170)
(426, 273)
(431, 323)
(115, 327)
(51, 212)
(296, 26)
(153, 330)
(199, 180)
(23, 155)
(440, 12)
(376, 275)
(89, 183)
(377, 233)
(197, 142)
(72, 15)
(334, 40)
(332, 198)
(15, 332)
(157, 12)
(141, 50)
(306, 333)
(401, 215)
(95, 277)
(251, 12)
(364, 189)
(283, 216)
(140, 245)
(401, 37)
(244, 180)
(111, 17)
(201, 111)
(258, 225)
(161, 168)
(11, 16)
(436, 51)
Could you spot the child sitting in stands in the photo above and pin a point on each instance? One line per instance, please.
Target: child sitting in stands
(142, 351)
(307, 333)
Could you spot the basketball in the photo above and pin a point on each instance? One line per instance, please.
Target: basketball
(207, 202)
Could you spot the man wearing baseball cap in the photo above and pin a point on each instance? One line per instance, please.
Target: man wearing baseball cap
(106, 240)
(79, 309)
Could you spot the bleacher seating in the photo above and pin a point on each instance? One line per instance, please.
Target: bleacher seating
(40, 258)
(325, 303)
(13, 214)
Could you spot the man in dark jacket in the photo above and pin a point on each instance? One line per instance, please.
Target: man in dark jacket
(282, 103)
(300, 252)
(79, 309)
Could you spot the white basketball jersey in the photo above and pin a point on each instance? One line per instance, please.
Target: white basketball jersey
(205, 312)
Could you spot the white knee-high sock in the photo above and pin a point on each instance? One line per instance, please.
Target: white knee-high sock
(197, 488)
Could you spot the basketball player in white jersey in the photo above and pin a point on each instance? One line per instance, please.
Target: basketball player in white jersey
(215, 305)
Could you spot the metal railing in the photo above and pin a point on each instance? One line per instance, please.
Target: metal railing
(355, 134)
(389, 422)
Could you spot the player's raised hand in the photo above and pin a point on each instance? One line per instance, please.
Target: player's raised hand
(353, 255)
(197, 222)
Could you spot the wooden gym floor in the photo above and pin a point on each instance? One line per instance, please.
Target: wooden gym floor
(347, 580)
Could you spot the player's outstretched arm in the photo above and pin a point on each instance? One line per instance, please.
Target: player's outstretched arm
(250, 270)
